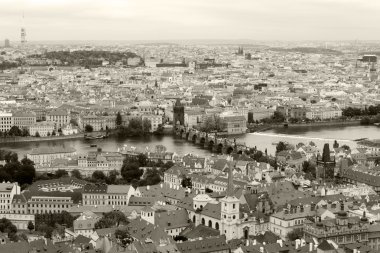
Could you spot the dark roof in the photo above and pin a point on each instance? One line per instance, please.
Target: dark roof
(95, 188)
(325, 246)
(205, 245)
(200, 231)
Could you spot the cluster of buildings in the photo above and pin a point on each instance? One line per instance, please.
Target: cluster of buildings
(240, 89)
(231, 203)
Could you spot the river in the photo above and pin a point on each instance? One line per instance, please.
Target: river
(262, 140)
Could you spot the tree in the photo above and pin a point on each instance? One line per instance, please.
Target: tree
(48, 133)
(345, 147)
(119, 119)
(377, 162)
(142, 160)
(147, 126)
(75, 173)
(98, 176)
(25, 132)
(309, 169)
(250, 117)
(152, 177)
(111, 179)
(6, 226)
(135, 127)
(131, 171)
(30, 226)
(15, 131)
(111, 219)
(74, 122)
(88, 128)
(336, 144)
(123, 236)
(53, 133)
(37, 134)
(160, 130)
(295, 234)
(186, 182)
(365, 121)
(257, 155)
(281, 146)
(61, 173)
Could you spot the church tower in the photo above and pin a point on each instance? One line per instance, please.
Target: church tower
(230, 210)
(178, 113)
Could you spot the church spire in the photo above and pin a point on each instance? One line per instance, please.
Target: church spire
(230, 185)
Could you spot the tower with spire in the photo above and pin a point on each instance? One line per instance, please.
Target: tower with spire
(230, 209)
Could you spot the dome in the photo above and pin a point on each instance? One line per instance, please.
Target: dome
(202, 197)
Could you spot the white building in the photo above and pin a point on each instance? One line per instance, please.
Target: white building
(7, 192)
(85, 224)
(42, 128)
(45, 155)
(6, 121)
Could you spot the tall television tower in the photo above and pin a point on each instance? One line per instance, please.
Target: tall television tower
(23, 31)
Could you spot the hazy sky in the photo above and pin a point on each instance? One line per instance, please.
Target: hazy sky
(191, 19)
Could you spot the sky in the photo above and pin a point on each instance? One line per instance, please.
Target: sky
(290, 20)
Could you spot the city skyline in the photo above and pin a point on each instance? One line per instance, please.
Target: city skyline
(196, 20)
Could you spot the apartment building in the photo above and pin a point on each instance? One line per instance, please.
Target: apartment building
(24, 119)
(107, 195)
(43, 128)
(48, 204)
(59, 117)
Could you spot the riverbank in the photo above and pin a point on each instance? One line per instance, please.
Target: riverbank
(40, 139)
(263, 128)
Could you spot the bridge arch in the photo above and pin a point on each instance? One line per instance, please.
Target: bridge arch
(211, 144)
(202, 141)
(219, 148)
(229, 150)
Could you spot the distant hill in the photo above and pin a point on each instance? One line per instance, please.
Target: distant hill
(306, 50)
(86, 58)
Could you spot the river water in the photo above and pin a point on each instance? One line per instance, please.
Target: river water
(263, 140)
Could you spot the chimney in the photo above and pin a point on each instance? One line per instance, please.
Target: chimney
(311, 247)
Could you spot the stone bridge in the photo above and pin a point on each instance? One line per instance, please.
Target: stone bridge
(210, 141)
